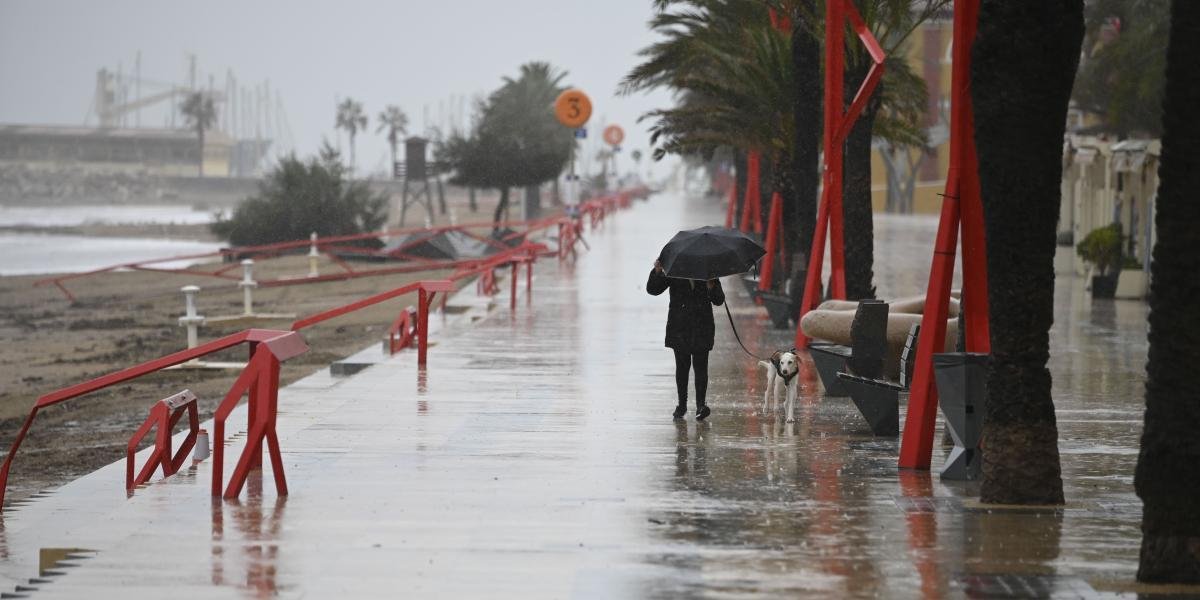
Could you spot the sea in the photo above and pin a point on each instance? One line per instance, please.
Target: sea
(29, 252)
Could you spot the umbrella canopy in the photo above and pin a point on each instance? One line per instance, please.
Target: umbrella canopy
(709, 252)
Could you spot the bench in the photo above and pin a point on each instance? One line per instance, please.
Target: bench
(878, 400)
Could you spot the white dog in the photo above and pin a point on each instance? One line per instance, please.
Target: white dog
(781, 381)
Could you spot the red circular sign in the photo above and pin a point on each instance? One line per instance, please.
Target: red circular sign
(614, 135)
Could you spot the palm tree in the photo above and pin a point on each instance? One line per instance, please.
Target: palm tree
(1168, 470)
(1023, 64)
(751, 87)
(515, 140)
(199, 113)
(892, 113)
(350, 116)
(395, 122)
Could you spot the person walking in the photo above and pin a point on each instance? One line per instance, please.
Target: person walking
(690, 331)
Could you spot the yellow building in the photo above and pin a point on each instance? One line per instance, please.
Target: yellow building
(909, 180)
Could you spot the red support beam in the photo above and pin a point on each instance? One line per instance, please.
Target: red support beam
(838, 122)
(752, 202)
(774, 230)
(961, 209)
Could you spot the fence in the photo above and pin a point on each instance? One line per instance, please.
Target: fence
(259, 379)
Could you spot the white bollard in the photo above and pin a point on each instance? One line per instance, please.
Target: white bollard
(190, 319)
(313, 255)
(248, 284)
(201, 451)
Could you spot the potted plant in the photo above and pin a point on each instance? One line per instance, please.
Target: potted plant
(1101, 248)
(1132, 282)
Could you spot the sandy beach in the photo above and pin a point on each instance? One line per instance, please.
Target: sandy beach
(123, 318)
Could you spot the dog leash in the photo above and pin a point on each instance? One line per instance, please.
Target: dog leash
(738, 337)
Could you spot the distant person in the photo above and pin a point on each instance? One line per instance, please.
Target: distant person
(690, 331)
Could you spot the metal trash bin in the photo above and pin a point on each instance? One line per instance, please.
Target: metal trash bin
(962, 395)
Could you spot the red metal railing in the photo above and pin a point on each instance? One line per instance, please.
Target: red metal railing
(259, 380)
(164, 415)
(329, 246)
(268, 349)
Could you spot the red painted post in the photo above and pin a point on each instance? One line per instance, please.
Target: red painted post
(512, 300)
(423, 299)
(252, 404)
(961, 207)
(751, 202)
(838, 122)
(774, 224)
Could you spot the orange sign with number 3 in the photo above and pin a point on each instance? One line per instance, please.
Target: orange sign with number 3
(573, 108)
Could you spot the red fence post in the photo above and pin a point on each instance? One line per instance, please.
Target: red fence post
(423, 299)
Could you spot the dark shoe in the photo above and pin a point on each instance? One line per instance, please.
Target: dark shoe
(679, 411)
(702, 413)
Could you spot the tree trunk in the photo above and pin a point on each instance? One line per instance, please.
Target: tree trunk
(200, 134)
(1168, 470)
(533, 202)
(766, 187)
(351, 154)
(441, 192)
(857, 217)
(800, 208)
(1022, 68)
(501, 208)
(393, 165)
(471, 200)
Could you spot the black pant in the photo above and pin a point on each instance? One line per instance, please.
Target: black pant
(697, 361)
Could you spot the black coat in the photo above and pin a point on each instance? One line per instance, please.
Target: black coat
(689, 320)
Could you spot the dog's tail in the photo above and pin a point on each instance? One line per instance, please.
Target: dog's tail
(765, 364)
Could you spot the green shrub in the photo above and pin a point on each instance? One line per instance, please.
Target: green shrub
(1102, 248)
(298, 198)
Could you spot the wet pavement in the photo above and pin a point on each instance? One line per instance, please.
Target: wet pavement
(536, 458)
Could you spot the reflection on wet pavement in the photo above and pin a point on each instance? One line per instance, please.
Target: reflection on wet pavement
(537, 458)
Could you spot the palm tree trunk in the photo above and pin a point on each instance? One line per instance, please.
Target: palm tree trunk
(766, 190)
(501, 208)
(471, 199)
(800, 209)
(351, 154)
(393, 166)
(1023, 66)
(857, 216)
(1168, 470)
(200, 134)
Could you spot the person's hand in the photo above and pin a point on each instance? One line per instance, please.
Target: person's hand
(658, 266)
(712, 283)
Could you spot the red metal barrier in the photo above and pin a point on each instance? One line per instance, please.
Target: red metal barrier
(164, 415)
(267, 347)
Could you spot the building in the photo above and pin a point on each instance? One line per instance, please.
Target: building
(165, 152)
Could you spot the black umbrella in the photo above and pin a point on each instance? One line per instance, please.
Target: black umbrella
(709, 252)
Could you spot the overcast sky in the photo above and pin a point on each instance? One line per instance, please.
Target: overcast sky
(413, 53)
